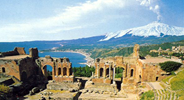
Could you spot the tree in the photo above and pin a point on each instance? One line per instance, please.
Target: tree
(170, 66)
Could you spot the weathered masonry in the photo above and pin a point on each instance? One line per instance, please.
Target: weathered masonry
(22, 66)
(61, 68)
(136, 71)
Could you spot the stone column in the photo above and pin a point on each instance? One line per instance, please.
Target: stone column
(97, 70)
(104, 71)
(110, 71)
(114, 73)
(62, 71)
(92, 75)
(57, 69)
(125, 71)
(53, 71)
(68, 72)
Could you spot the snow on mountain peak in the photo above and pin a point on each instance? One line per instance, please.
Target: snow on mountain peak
(152, 29)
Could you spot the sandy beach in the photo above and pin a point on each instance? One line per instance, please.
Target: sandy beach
(90, 61)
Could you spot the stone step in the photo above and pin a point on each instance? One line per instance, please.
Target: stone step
(158, 93)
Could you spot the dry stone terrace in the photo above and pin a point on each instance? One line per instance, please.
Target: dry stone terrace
(32, 70)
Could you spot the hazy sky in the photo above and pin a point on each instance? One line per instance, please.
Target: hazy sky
(27, 20)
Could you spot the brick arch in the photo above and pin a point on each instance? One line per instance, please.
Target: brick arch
(124, 66)
(44, 71)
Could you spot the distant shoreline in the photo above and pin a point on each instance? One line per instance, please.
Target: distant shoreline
(90, 61)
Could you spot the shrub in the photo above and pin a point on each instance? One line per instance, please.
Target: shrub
(4, 88)
(170, 66)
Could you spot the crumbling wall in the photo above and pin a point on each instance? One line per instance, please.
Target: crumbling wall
(27, 68)
(10, 67)
(20, 50)
(152, 73)
(16, 51)
(33, 52)
(61, 68)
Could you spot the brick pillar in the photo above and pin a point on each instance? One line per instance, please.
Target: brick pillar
(97, 70)
(61, 71)
(125, 71)
(104, 71)
(68, 72)
(57, 70)
(114, 73)
(53, 72)
(110, 71)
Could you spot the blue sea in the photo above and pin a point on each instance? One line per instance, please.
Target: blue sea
(75, 58)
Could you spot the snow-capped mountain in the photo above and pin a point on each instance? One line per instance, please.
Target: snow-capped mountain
(153, 29)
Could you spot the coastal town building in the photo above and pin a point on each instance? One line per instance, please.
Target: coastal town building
(175, 49)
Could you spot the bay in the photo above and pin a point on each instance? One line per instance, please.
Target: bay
(75, 58)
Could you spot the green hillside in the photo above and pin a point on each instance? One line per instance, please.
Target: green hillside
(126, 51)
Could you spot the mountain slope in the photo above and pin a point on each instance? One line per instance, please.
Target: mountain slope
(153, 29)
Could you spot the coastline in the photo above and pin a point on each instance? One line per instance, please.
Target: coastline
(90, 61)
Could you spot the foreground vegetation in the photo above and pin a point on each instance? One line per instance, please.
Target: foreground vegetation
(4, 89)
(148, 96)
(177, 84)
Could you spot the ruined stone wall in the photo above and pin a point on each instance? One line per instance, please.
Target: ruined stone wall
(20, 50)
(136, 50)
(102, 70)
(9, 53)
(61, 68)
(130, 74)
(152, 73)
(16, 51)
(27, 68)
(33, 52)
(130, 60)
(10, 67)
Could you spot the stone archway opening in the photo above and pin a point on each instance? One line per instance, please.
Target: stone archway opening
(119, 76)
(59, 71)
(132, 73)
(107, 72)
(48, 72)
(3, 70)
(101, 72)
(156, 78)
(64, 71)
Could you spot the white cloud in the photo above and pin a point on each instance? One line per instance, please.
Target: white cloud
(153, 6)
(73, 18)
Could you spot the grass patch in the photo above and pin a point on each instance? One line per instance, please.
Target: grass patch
(167, 78)
(177, 83)
(148, 96)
